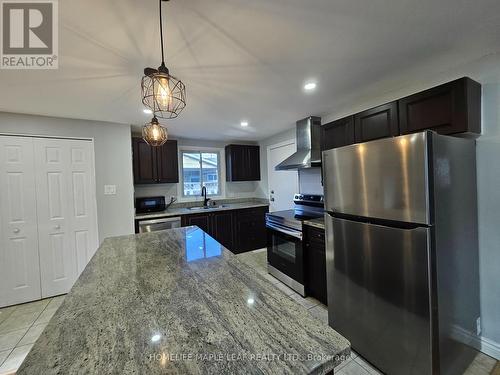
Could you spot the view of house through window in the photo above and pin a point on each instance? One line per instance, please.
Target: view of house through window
(200, 169)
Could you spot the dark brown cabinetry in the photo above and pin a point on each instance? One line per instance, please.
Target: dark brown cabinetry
(375, 123)
(452, 108)
(155, 165)
(242, 163)
(250, 229)
(315, 259)
(337, 133)
(217, 224)
(238, 230)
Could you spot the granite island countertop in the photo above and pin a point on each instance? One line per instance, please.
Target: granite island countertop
(178, 302)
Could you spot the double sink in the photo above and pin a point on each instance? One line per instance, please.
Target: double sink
(202, 208)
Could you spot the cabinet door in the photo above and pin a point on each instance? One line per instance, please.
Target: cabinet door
(222, 228)
(452, 108)
(67, 224)
(168, 163)
(315, 264)
(235, 163)
(144, 159)
(375, 123)
(250, 230)
(19, 261)
(253, 153)
(200, 220)
(337, 133)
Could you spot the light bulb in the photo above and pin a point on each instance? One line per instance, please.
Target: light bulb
(163, 94)
(156, 132)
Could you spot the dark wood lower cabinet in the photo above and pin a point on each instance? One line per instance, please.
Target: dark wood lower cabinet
(315, 261)
(200, 220)
(222, 228)
(237, 230)
(250, 229)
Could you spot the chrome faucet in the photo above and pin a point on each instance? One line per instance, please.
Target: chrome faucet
(204, 195)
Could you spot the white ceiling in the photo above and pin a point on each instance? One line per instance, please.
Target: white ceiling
(245, 59)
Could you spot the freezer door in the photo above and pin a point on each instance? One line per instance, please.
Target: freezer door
(385, 179)
(378, 293)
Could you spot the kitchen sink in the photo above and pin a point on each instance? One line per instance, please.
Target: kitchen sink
(201, 208)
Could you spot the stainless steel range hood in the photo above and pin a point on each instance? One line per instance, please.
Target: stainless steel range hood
(308, 153)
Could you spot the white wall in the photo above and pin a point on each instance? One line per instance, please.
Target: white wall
(113, 162)
(310, 181)
(246, 189)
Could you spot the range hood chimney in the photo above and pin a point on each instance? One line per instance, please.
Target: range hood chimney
(308, 153)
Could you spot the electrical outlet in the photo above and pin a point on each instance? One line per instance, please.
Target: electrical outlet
(109, 189)
(478, 326)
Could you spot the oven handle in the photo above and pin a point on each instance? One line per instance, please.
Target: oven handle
(285, 231)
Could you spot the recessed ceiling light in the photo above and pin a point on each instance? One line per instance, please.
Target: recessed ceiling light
(309, 86)
(147, 111)
(244, 124)
(250, 301)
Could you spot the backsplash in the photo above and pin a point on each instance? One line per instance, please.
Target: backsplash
(310, 181)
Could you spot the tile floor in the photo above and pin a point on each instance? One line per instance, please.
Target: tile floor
(20, 327)
(355, 365)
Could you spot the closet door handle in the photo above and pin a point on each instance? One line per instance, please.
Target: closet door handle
(16, 230)
(57, 227)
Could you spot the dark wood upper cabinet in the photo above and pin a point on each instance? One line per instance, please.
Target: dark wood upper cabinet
(375, 123)
(242, 163)
(452, 108)
(337, 133)
(154, 165)
(168, 162)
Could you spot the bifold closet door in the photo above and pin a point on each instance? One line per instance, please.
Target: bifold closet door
(19, 263)
(67, 225)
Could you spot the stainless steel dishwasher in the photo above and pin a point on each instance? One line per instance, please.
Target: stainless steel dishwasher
(154, 225)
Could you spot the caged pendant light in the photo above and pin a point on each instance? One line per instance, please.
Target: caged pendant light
(164, 94)
(154, 134)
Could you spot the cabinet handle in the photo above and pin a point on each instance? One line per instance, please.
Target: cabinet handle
(57, 227)
(16, 230)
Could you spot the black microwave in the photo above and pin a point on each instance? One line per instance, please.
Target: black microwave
(149, 204)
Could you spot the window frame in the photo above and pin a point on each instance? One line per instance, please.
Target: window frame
(220, 171)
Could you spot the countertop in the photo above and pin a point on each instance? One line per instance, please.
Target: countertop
(317, 223)
(186, 211)
(178, 302)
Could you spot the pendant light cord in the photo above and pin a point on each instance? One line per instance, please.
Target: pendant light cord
(161, 37)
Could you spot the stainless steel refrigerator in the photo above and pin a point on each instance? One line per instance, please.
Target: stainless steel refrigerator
(402, 251)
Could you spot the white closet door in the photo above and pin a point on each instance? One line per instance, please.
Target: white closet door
(19, 262)
(67, 226)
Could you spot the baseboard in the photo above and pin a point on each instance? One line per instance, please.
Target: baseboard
(480, 343)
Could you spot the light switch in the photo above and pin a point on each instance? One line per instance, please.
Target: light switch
(109, 189)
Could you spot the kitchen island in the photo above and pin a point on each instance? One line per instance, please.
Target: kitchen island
(178, 302)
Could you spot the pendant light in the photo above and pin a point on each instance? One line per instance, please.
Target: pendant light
(164, 94)
(154, 134)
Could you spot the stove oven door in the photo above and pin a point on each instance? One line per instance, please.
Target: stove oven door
(285, 256)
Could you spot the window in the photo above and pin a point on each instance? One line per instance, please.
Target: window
(200, 169)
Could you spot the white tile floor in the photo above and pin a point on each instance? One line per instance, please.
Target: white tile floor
(20, 327)
(355, 365)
